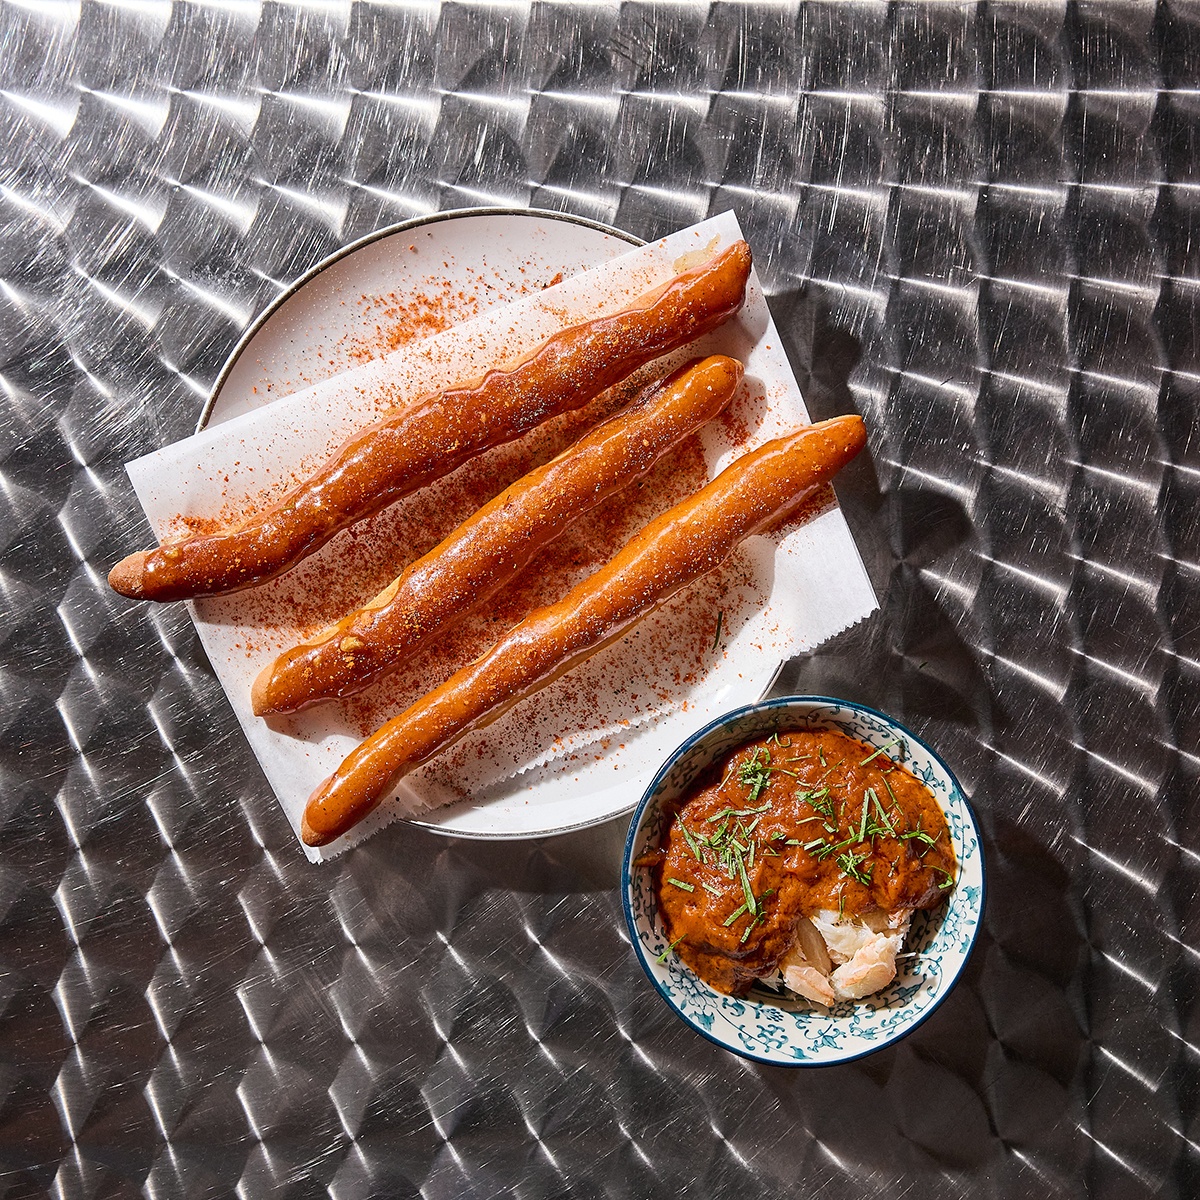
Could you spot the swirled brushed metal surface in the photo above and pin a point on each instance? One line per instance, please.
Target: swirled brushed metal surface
(981, 227)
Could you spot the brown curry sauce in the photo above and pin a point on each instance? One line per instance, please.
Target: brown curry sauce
(784, 827)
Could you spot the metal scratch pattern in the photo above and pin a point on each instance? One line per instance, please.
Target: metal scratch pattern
(979, 224)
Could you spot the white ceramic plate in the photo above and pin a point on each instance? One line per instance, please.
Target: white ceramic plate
(582, 751)
(322, 324)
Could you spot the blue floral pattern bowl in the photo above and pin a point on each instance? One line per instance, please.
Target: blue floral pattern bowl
(765, 1026)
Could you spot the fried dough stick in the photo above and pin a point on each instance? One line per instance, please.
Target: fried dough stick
(426, 440)
(757, 491)
(495, 545)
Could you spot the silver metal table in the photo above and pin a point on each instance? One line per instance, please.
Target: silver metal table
(980, 226)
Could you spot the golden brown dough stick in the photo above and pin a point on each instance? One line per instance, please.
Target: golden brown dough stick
(757, 491)
(423, 441)
(496, 544)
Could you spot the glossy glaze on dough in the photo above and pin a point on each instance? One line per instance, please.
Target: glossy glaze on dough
(496, 543)
(428, 439)
(760, 489)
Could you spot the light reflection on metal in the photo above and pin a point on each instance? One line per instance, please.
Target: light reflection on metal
(977, 221)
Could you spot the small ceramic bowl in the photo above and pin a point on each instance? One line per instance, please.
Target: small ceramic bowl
(793, 1032)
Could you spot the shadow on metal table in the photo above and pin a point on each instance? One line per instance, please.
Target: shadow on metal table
(979, 226)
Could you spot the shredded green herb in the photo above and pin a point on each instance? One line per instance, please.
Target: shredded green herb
(851, 865)
(689, 837)
(749, 812)
(749, 928)
(733, 916)
(884, 819)
(887, 746)
(820, 802)
(717, 635)
(751, 904)
(756, 774)
(833, 847)
(919, 834)
(682, 885)
(739, 812)
(711, 889)
(662, 958)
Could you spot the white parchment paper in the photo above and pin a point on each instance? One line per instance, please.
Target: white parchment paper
(585, 748)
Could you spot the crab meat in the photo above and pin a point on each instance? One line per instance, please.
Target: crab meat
(872, 967)
(806, 965)
(844, 958)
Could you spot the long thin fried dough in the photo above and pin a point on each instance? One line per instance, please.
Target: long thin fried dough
(757, 491)
(429, 438)
(495, 545)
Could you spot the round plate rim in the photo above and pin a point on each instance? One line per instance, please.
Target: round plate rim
(450, 214)
(292, 289)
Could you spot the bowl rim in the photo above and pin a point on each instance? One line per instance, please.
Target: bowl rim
(643, 804)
